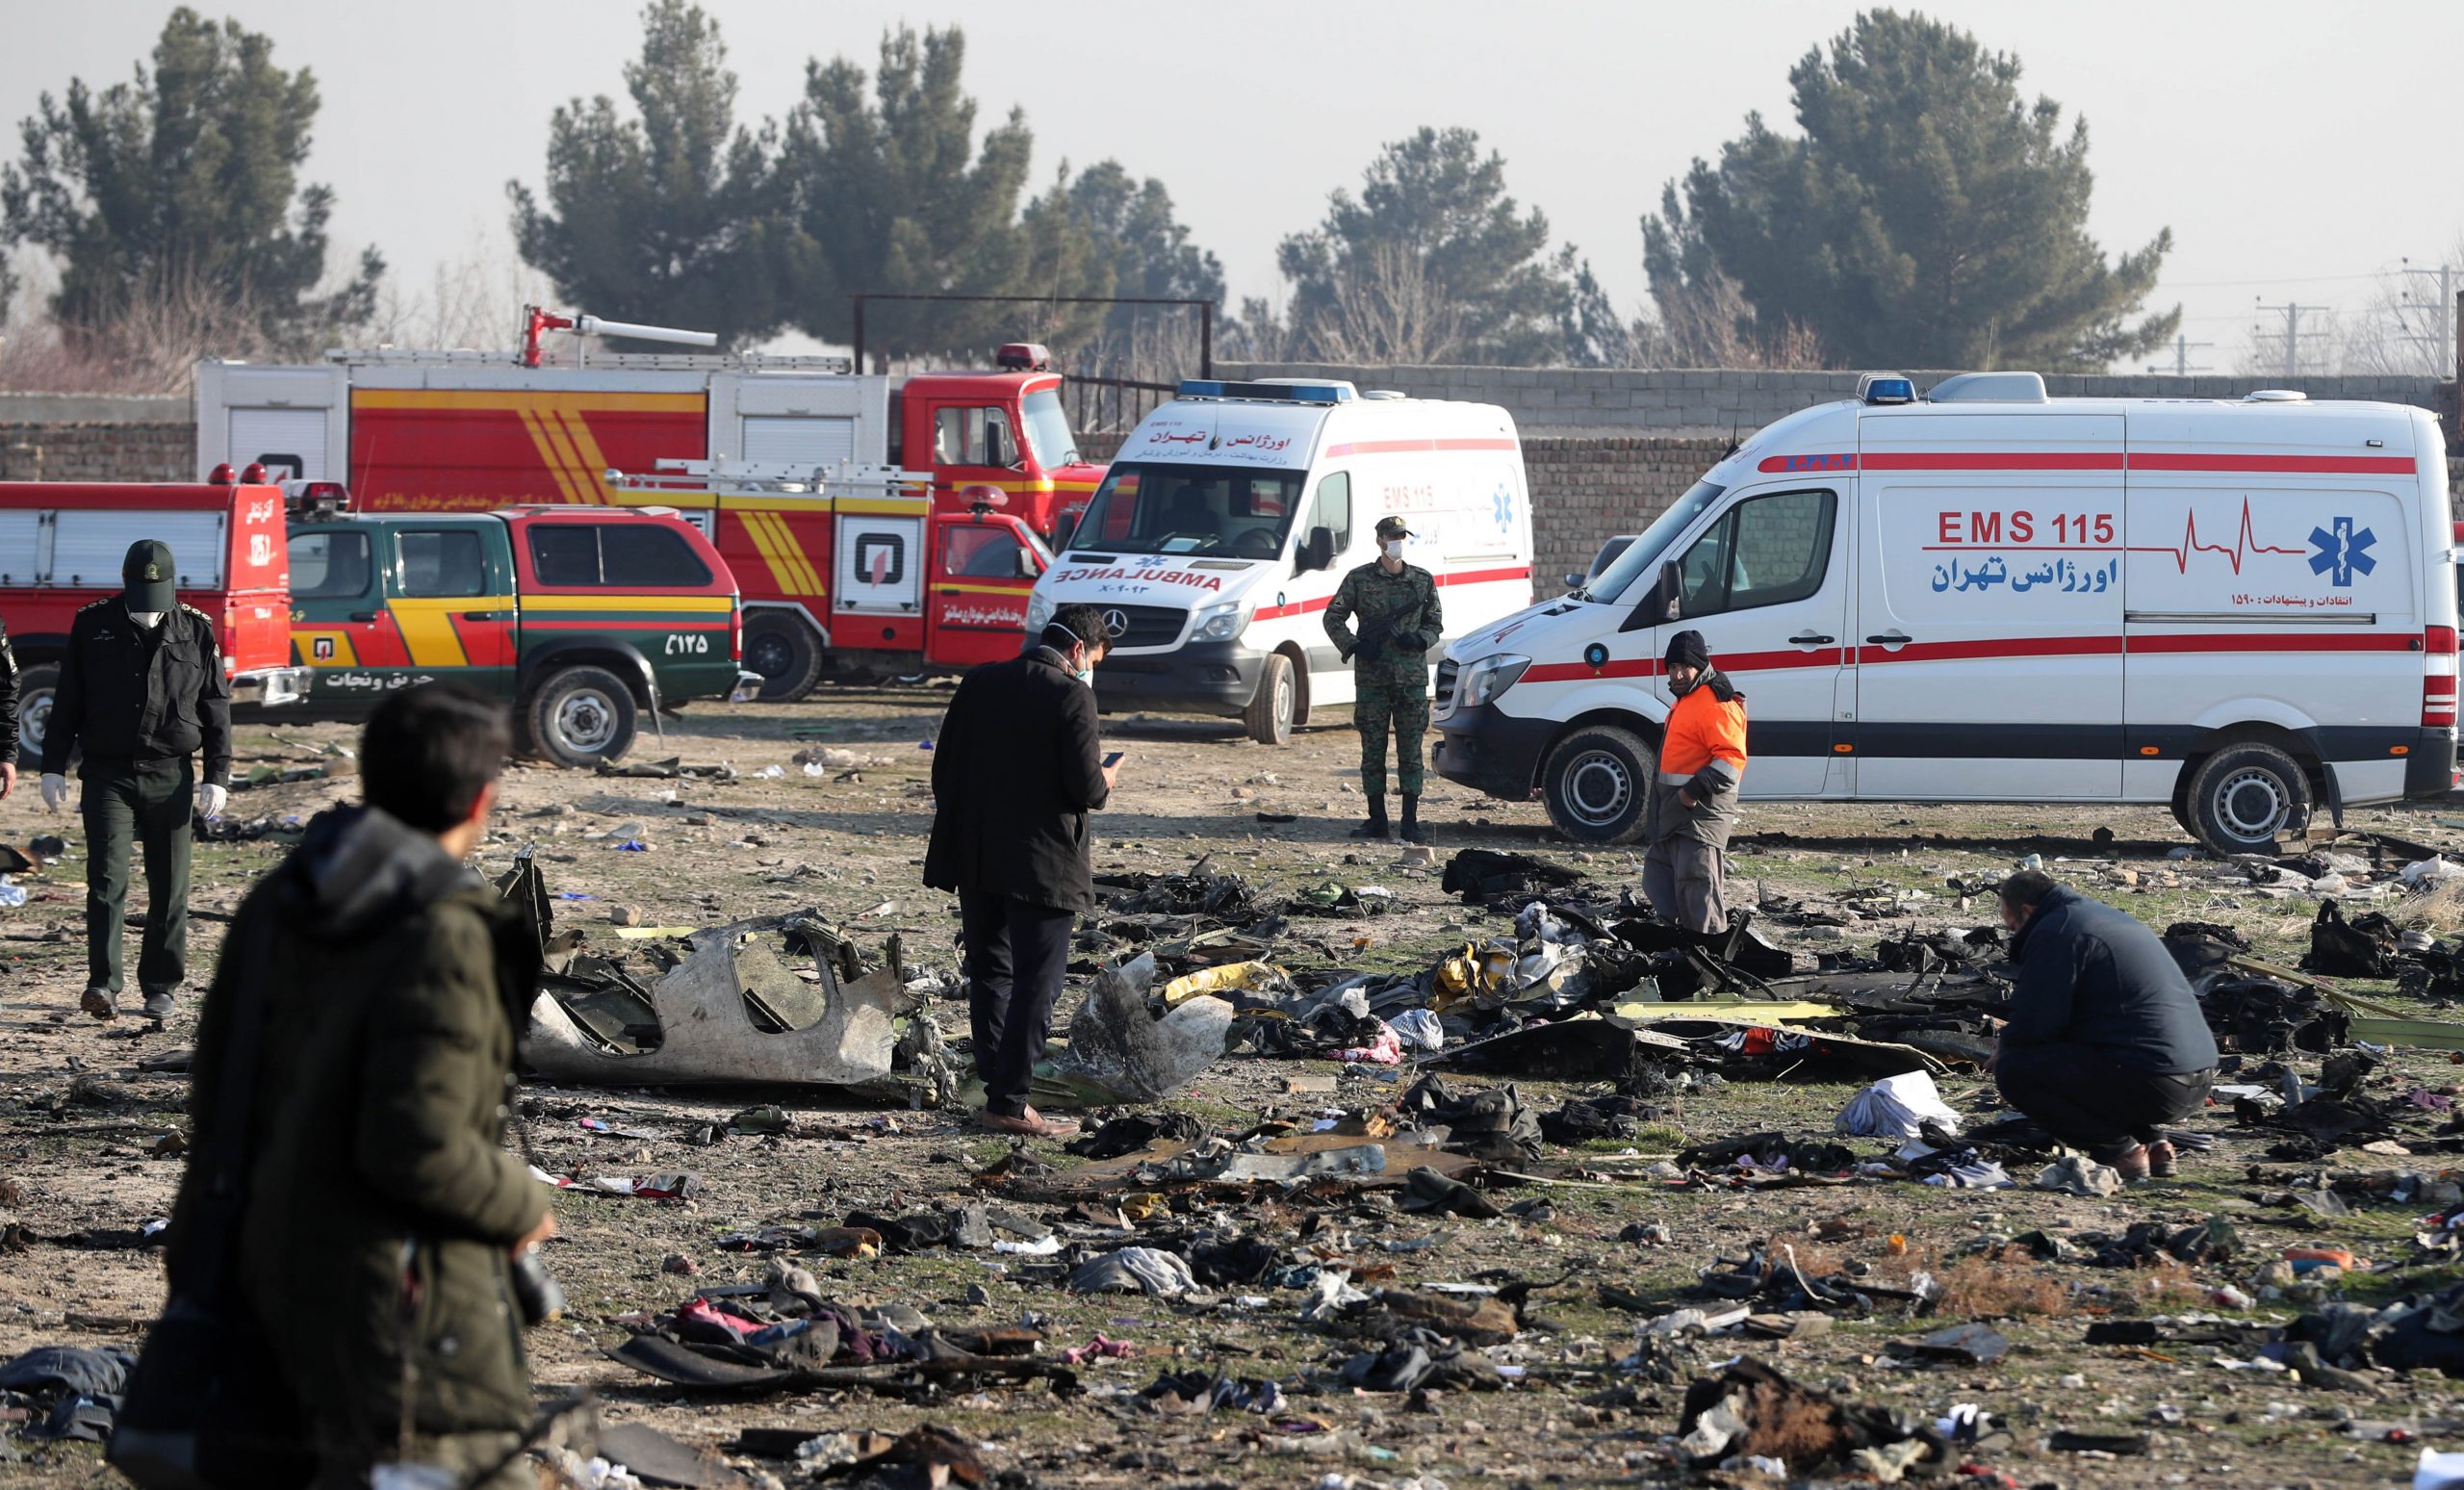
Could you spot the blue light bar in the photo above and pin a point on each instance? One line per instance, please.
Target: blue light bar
(1276, 393)
(1885, 388)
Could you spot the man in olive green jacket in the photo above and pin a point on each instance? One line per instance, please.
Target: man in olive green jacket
(382, 1208)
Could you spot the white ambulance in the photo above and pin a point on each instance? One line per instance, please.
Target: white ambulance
(2243, 609)
(1232, 513)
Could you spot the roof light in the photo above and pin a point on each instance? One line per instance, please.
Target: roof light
(221, 476)
(1023, 357)
(1270, 391)
(1885, 388)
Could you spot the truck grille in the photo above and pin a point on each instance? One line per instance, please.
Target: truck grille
(1144, 626)
(1443, 703)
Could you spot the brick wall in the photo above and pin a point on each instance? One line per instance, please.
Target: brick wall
(157, 451)
(1674, 400)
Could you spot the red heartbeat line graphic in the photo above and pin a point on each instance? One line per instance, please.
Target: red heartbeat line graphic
(2245, 544)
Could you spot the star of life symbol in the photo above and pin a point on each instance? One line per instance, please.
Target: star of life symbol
(1505, 507)
(2342, 551)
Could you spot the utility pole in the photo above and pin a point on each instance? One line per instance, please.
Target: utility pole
(2438, 338)
(2183, 346)
(2293, 334)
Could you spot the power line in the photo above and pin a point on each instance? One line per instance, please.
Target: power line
(2440, 339)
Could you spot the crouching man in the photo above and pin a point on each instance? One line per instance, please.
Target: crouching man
(371, 1211)
(2105, 1040)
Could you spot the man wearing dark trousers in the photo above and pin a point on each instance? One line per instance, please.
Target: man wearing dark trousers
(2105, 1040)
(354, 1186)
(1017, 768)
(7, 715)
(141, 688)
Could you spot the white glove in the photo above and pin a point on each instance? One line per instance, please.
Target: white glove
(210, 800)
(54, 790)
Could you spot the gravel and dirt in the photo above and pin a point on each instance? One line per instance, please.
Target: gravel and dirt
(85, 1161)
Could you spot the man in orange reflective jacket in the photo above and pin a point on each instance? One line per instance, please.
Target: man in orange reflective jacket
(1693, 801)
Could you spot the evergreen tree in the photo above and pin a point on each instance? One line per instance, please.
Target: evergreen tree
(891, 192)
(1433, 216)
(182, 185)
(672, 218)
(1147, 248)
(1927, 217)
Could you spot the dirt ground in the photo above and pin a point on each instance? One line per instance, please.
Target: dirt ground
(80, 1160)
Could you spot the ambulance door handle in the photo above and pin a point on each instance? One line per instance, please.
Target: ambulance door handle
(1808, 639)
(1889, 639)
(489, 615)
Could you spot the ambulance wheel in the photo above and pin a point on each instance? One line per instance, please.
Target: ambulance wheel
(1275, 706)
(1597, 784)
(581, 716)
(2244, 797)
(784, 650)
(34, 687)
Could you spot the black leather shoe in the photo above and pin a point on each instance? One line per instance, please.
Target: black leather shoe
(159, 1007)
(99, 1003)
(1374, 827)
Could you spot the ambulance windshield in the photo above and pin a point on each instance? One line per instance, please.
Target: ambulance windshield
(1642, 558)
(1172, 508)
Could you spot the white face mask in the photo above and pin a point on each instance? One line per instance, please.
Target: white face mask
(148, 619)
(1392, 548)
(1086, 675)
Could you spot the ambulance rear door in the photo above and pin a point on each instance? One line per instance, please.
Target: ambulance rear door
(1988, 616)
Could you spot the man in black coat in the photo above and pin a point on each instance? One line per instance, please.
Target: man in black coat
(1016, 770)
(2105, 1040)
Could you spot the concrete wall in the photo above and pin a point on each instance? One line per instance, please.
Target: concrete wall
(1680, 400)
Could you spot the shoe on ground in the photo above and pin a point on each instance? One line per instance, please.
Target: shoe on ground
(1028, 1124)
(1414, 832)
(1374, 827)
(2133, 1165)
(160, 1007)
(2163, 1161)
(99, 1003)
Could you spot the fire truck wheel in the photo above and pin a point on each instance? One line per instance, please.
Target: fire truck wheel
(1276, 705)
(581, 716)
(35, 688)
(2245, 796)
(784, 650)
(1597, 784)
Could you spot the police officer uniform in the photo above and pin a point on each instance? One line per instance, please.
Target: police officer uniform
(142, 700)
(1399, 620)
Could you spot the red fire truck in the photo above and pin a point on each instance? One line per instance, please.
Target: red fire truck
(428, 432)
(891, 581)
(61, 547)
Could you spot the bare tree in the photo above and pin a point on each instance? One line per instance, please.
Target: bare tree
(1387, 309)
(1707, 322)
(472, 301)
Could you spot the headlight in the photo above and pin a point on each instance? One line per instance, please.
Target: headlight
(1483, 680)
(1038, 613)
(1222, 621)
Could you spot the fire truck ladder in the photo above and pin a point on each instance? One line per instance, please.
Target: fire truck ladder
(789, 478)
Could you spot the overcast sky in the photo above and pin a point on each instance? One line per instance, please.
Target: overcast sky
(2296, 151)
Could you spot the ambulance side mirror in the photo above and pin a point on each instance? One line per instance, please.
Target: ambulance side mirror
(1027, 569)
(1064, 528)
(1665, 594)
(1317, 550)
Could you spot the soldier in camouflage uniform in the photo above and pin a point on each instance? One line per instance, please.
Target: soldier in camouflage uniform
(1400, 622)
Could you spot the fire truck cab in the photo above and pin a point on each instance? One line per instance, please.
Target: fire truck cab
(61, 546)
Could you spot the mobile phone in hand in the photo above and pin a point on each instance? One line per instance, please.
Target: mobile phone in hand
(1114, 759)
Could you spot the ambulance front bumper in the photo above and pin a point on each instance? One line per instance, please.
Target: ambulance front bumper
(269, 686)
(1202, 677)
(1495, 751)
